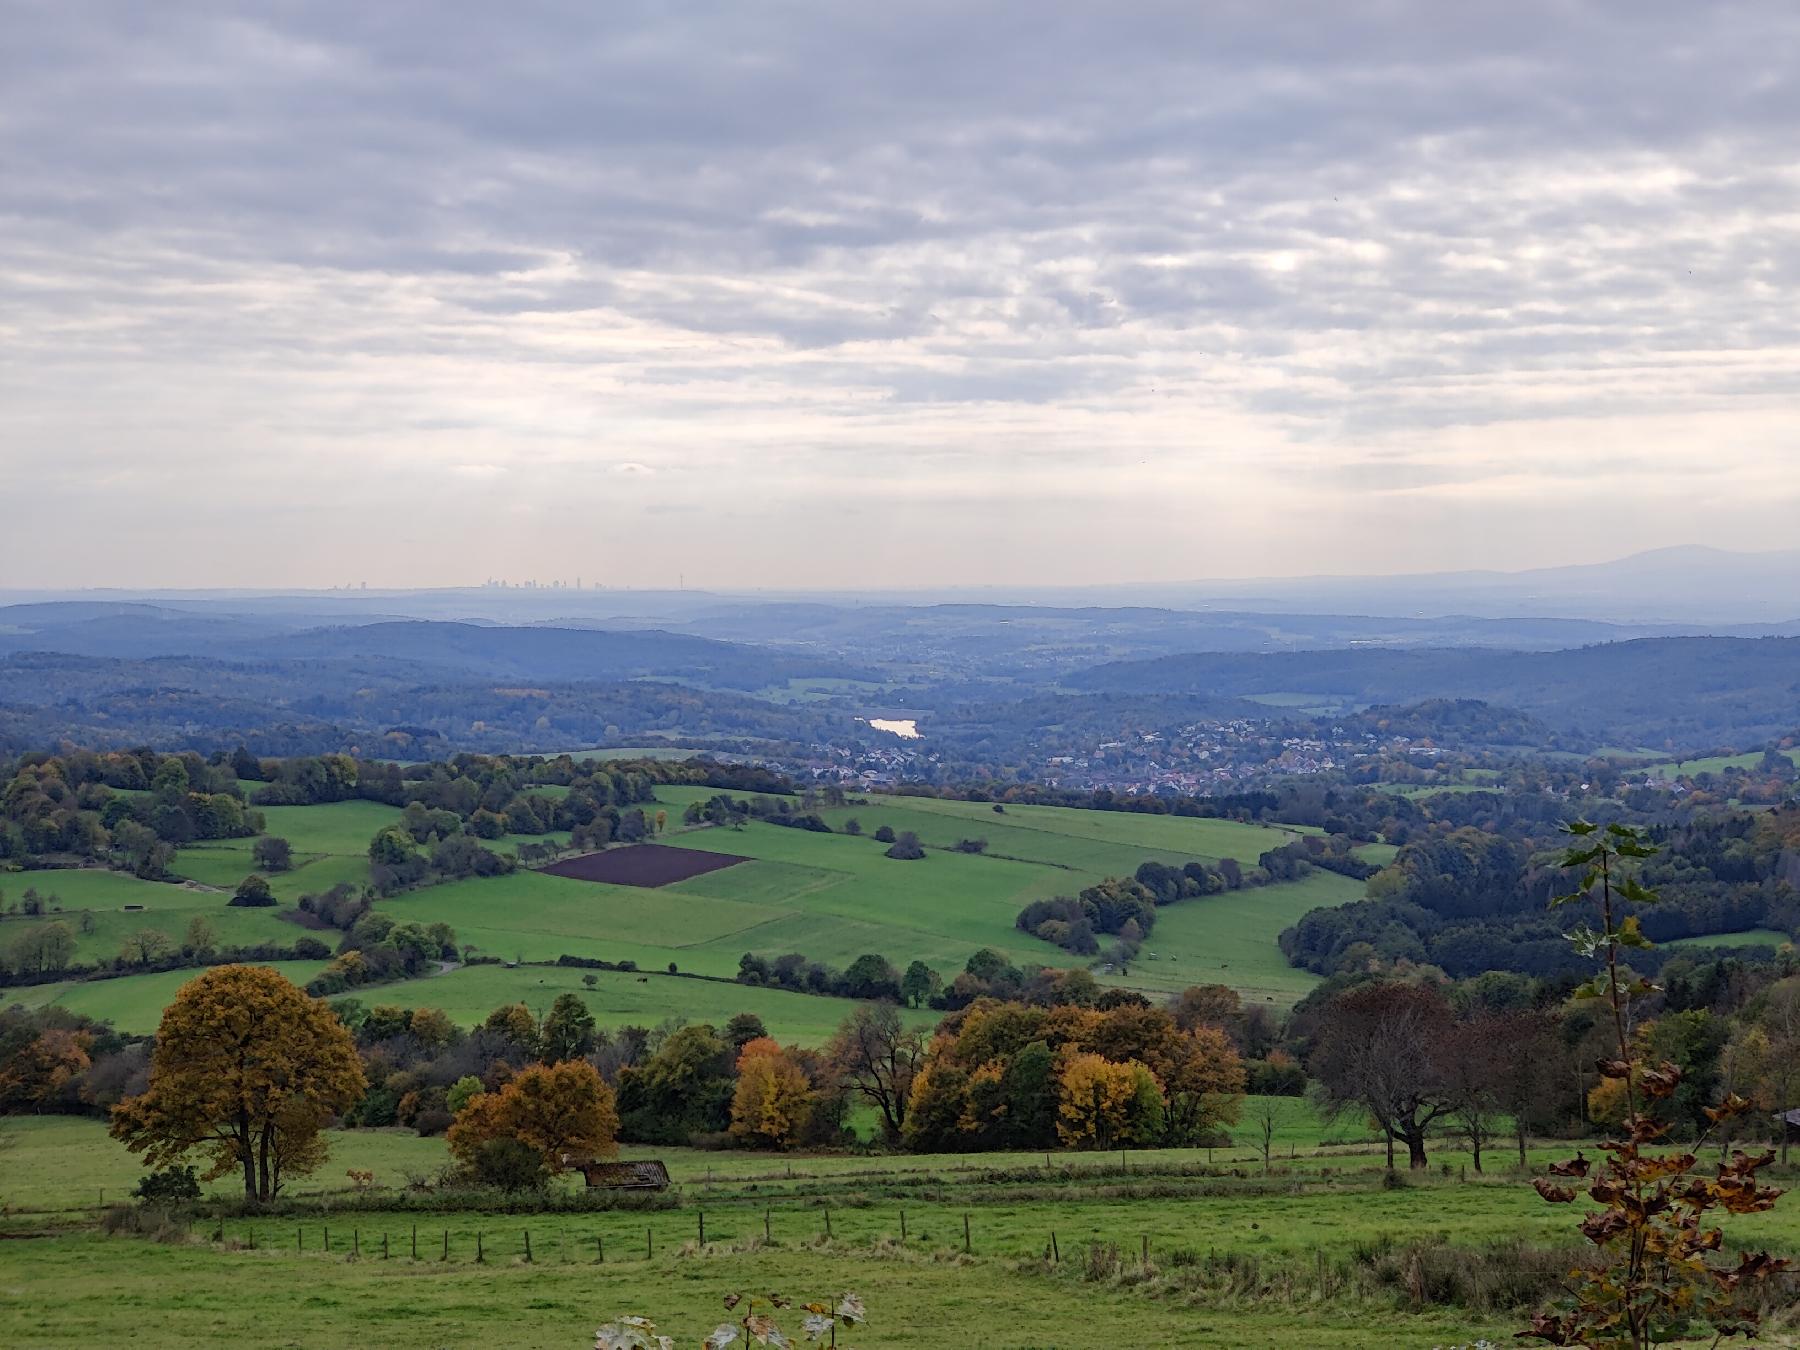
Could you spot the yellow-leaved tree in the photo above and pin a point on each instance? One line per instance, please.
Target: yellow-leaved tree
(1104, 1104)
(248, 1069)
(773, 1098)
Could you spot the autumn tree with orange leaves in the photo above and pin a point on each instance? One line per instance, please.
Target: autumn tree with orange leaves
(247, 1069)
(1657, 1278)
(563, 1113)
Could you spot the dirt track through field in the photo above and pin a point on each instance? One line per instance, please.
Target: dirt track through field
(643, 865)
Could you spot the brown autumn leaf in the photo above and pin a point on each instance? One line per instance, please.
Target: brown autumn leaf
(1604, 1225)
(1661, 1081)
(1556, 1195)
(1733, 1105)
(1574, 1167)
(1669, 1165)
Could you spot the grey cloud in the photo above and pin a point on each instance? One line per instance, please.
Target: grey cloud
(278, 230)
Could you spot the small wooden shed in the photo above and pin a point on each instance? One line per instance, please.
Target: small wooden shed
(626, 1176)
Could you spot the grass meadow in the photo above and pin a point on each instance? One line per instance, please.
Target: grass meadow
(1235, 1256)
(132, 1003)
(832, 897)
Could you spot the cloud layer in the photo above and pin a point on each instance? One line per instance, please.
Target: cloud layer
(300, 293)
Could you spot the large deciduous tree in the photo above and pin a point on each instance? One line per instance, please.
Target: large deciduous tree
(564, 1113)
(1383, 1048)
(773, 1099)
(248, 1069)
(876, 1054)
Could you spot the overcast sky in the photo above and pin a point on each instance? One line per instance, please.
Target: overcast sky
(851, 294)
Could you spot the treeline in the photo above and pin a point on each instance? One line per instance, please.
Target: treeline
(1507, 1055)
(1466, 901)
(131, 810)
(1116, 1073)
(986, 974)
(375, 709)
(1006, 1076)
(45, 953)
(1127, 907)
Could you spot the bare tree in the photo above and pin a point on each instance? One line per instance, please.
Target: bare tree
(1383, 1048)
(1524, 1066)
(875, 1054)
(1471, 1074)
(1264, 1115)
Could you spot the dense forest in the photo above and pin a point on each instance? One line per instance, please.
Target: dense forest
(1466, 900)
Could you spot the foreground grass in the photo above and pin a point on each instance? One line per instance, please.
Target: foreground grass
(1235, 1257)
(191, 1294)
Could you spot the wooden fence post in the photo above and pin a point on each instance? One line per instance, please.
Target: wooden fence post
(327, 1239)
(1055, 1253)
(903, 1225)
(767, 1236)
(415, 1249)
(702, 1214)
(527, 1246)
(649, 1246)
(480, 1256)
(446, 1244)
(965, 1230)
(828, 1221)
(356, 1242)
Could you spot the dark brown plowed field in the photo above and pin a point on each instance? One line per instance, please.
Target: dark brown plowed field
(643, 865)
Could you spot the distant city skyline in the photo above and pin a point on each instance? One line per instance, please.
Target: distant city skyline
(877, 298)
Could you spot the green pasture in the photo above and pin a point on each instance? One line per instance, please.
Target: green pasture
(470, 993)
(93, 906)
(1189, 836)
(78, 888)
(831, 897)
(1230, 939)
(1693, 768)
(132, 1003)
(1752, 937)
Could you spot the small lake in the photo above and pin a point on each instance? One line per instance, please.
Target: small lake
(907, 729)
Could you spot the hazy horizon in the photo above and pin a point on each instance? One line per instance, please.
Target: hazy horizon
(312, 295)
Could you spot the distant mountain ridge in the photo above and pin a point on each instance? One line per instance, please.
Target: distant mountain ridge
(1686, 687)
(453, 650)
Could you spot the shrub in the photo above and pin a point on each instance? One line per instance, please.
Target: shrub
(253, 892)
(509, 1165)
(884, 834)
(168, 1186)
(432, 1121)
(907, 847)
